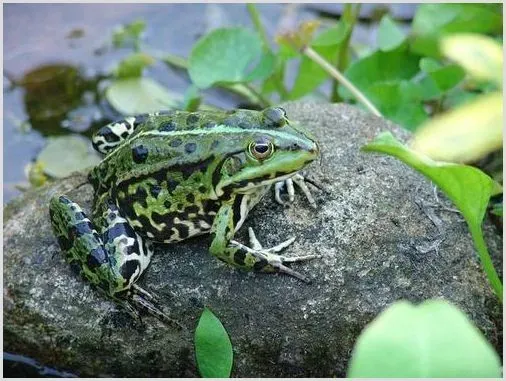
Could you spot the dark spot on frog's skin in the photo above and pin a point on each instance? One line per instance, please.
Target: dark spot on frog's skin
(128, 268)
(192, 209)
(64, 242)
(79, 216)
(192, 119)
(140, 154)
(111, 216)
(239, 257)
(155, 190)
(190, 198)
(140, 196)
(167, 126)
(81, 228)
(180, 206)
(190, 147)
(202, 189)
(183, 230)
(159, 218)
(96, 257)
(167, 204)
(108, 135)
(124, 135)
(64, 200)
(209, 125)
(244, 124)
(175, 142)
(172, 184)
(258, 266)
(139, 119)
(118, 230)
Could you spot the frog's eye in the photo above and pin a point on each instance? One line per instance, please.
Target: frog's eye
(275, 116)
(261, 149)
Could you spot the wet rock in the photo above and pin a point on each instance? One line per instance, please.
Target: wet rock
(372, 228)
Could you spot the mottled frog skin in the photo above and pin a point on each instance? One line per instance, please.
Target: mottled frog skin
(169, 176)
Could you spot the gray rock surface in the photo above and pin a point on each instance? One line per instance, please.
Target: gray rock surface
(372, 227)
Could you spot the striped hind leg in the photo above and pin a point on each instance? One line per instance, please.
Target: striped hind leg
(112, 259)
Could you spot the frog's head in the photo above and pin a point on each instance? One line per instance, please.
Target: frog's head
(274, 149)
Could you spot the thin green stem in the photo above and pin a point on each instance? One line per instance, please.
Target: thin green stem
(277, 76)
(255, 17)
(486, 261)
(309, 52)
(350, 16)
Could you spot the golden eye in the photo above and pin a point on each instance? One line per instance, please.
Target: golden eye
(261, 149)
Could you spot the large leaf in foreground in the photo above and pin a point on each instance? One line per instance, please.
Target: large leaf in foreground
(212, 347)
(434, 339)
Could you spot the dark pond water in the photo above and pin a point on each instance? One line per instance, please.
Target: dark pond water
(55, 53)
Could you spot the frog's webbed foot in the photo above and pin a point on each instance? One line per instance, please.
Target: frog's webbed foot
(300, 181)
(268, 260)
(138, 297)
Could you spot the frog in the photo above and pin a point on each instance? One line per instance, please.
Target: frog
(172, 175)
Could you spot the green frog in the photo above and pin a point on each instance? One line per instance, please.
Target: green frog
(172, 175)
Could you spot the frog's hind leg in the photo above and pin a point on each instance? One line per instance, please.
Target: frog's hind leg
(113, 260)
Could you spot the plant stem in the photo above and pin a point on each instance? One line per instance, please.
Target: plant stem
(349, 17)
(309, 52)
(255, 17)
(264, 101)
(277, 76)
(488, 266)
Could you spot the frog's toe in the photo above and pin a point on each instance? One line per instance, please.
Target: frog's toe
(256, 245)
(145, 300)
(300, 181)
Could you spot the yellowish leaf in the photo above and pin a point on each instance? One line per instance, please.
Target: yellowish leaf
(479, 55)
(464, 134)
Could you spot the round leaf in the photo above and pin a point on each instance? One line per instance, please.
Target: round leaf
(227, 55)
(66, 154)
(134, 96)
(212, 347)
(434, 339)
(389, 34)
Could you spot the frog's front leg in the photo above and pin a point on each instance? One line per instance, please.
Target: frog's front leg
(249, 258)
(112, 258)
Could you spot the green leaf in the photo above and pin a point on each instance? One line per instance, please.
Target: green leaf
(128, 33)
(212, 347)
(465, 134)
(226, 55)
(399, 101)
(63, 155)
(467, 187)
(311, 75)
(380, 66)
(439, 80)
(134, 96)
(435, 20)
(332, 36)
(192, 99)
(133, 65)
(428, 64)
(389, 35)
(481, 56)
(433, 339)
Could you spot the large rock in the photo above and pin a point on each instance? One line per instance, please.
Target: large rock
(377, 227)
